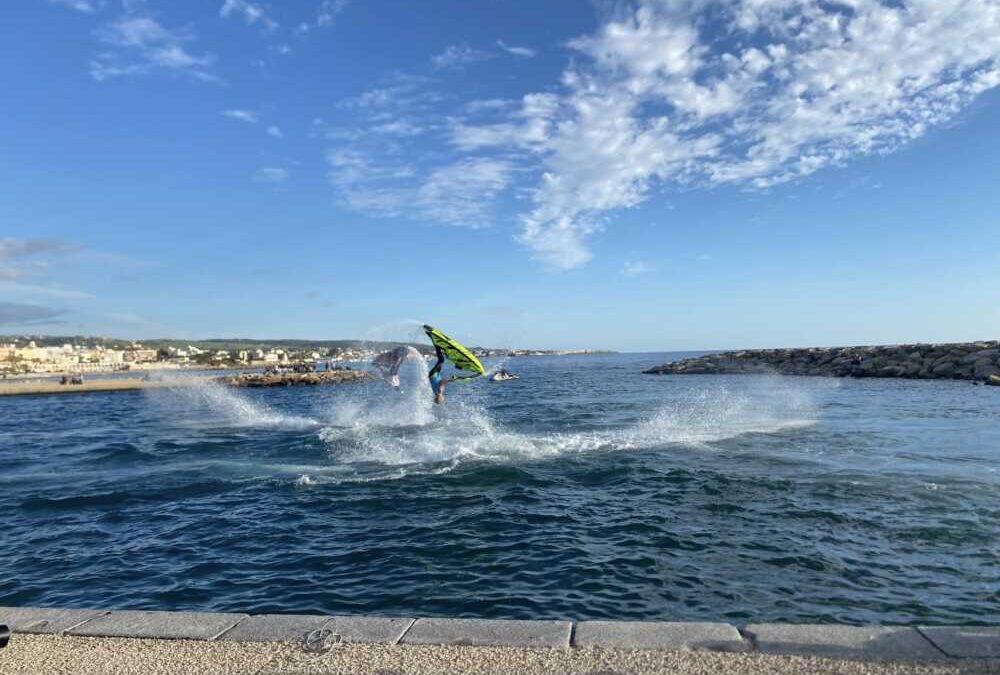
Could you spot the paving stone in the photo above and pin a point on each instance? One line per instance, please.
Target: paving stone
(973, 642)
(369, 629)
(488, 632)
(659, 635)
(45, 620)
(860, 642)
(275, 627)
(169, 625)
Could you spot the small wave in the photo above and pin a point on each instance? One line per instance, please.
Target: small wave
(117, 498)
(120, 453)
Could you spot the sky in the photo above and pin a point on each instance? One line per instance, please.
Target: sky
(638, 176)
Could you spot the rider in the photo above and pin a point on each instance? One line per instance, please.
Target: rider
(437, 382)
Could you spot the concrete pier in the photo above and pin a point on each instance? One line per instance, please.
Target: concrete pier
(99, 641)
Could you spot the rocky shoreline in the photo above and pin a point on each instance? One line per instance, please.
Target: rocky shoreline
(292, 379)
(977, 362)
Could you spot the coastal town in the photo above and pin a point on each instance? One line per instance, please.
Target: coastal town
(30, 358)
(41, 355)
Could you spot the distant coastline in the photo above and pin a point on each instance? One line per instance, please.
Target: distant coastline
(977, 362)
(253, 380)
(48, 355)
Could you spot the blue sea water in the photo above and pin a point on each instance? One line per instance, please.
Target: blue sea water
(582, 490)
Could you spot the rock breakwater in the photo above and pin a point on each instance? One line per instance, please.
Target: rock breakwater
(974, 361)
(292, 379)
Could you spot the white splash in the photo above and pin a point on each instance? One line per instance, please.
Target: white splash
(462, 431)
(213, 403)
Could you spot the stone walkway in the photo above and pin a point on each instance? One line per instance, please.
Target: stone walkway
(45, 654)
(101, 641)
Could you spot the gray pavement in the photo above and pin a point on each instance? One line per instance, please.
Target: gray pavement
(970, 642)
(170, 625)
(89, 640)
(859, 642)
(659, 635)
(30, 654)
(485, 632)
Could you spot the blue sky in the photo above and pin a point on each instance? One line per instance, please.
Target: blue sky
(635, 176)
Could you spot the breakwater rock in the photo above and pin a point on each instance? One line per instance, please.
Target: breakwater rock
(292, 379)
(975, 361)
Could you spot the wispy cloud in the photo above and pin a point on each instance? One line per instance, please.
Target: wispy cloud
(326, 16)
(329, 10)
(463, 193)
(633, 268)
(526, 127)
(248, 116)
(375, 168)
(250, 12)
(275, 132)
(85, 6)
(523, 52)
(17, 313)
(271, 174)
(21, 257)
(35, 290)
(458, 56)
(138, 44)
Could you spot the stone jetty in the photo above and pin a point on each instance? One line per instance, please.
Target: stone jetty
(292, 379)
(974, 361)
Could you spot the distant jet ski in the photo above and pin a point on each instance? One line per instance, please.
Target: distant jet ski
(388, 363)
(503, 375)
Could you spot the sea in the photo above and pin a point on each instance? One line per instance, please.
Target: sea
(583, 490)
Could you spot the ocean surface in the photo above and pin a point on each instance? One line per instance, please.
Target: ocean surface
(583, 490)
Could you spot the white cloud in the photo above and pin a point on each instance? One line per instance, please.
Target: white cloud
(694, 93)
(661, 100)
(270, 174)
(85, 6)
(248, 116)
(140, 45)
(524, 52)
(275, 132)
(633, 268)
(457, 56)
(528, 127)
